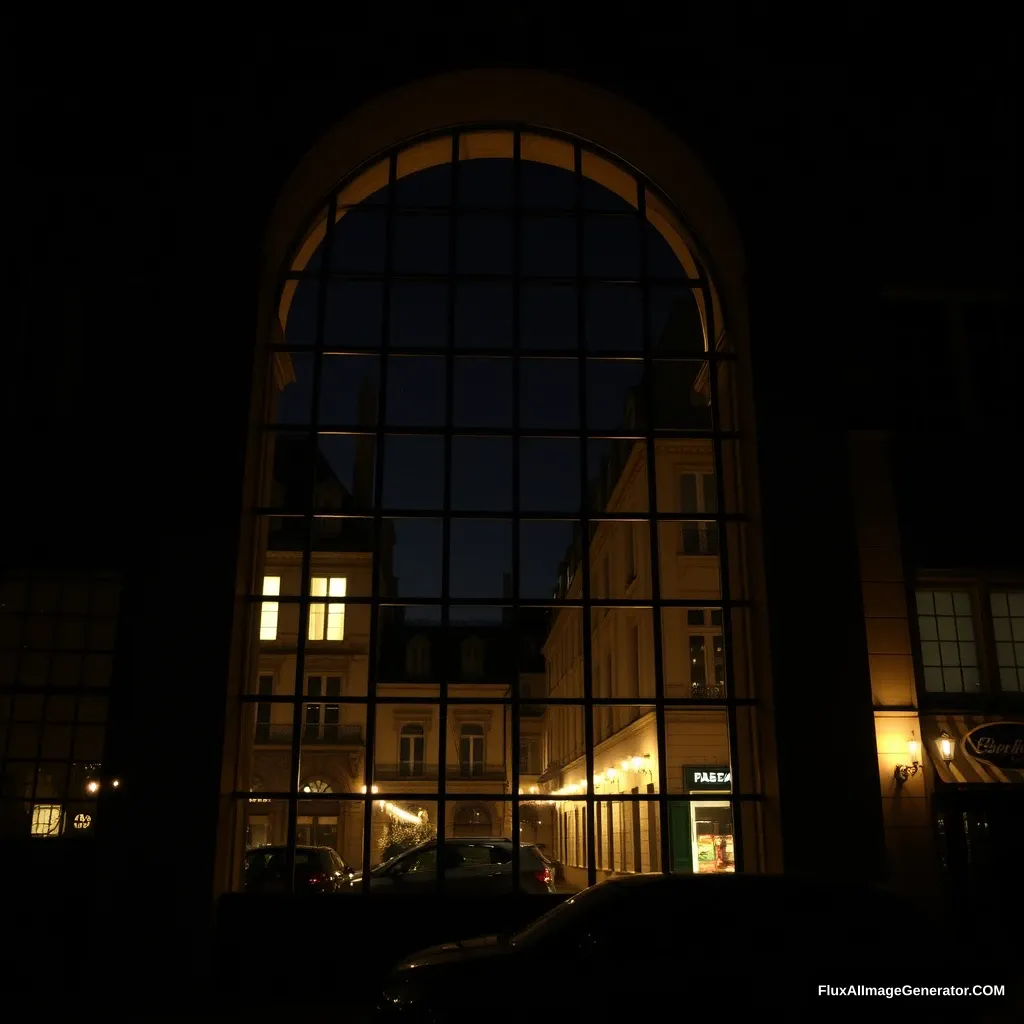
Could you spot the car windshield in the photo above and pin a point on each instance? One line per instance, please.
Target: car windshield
(574, 910)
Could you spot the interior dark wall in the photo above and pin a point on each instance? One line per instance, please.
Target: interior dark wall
(135, 246)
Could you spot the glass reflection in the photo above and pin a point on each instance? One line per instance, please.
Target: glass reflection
(461, 453)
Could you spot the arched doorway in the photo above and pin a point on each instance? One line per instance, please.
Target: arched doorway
(429, 323)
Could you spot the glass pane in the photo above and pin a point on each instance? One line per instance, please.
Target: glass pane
(545, 555)
(415, 550)
(398, 826)
(611, 246)
(421, 243)
(614, 393)
(482, 474)
(353, 315)
(484, 244)
(359, 241)
(486, 182)
(291, 399)
(549, 317)
(416, 391)
(549, 390)
(348, 390)
(418, 315)
(549, 475)
(618, 474)
(413, 472)
(481, 557)
(405, 751)
(483, 393)
(614, 318)
(483, 315)
(330, 733)
(548, 247)
(702, 837)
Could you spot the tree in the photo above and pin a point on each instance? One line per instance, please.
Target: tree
(401, 834)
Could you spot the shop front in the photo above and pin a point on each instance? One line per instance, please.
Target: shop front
(702, 829)
(979, 809)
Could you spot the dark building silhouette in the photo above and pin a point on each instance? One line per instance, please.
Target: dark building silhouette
(862, 233)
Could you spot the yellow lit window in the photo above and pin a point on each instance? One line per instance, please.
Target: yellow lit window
(46, 820)
(268, 611)
(327, 620)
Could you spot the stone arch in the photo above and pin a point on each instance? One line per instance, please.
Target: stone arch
(550, 102)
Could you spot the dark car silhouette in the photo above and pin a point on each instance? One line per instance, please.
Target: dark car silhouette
(318, 869)
(698, 947)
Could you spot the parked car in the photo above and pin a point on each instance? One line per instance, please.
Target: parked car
(317, 869)
(470, 866)
(703, 945)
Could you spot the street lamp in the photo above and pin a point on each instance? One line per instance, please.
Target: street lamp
(902, 772)
(947, 747)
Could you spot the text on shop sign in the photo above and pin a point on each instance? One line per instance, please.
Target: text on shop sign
(706, 776)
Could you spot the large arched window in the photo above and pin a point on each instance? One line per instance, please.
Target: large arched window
(502, 349)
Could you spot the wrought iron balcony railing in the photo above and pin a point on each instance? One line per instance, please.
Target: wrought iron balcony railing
(320, 733)
(421, 770)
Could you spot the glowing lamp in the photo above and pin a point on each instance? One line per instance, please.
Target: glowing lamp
(92, 786)
(946, 748)
(902, 772)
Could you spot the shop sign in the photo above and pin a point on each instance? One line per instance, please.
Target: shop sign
(1000, 744)
(706, 777)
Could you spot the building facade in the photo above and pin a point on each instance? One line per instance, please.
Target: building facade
(529, 507)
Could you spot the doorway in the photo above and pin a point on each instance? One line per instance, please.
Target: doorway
(981, 834)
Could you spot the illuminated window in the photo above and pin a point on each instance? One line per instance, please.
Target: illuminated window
(327, 620)
(317, 786)
(46, 819)
(471, 749)
(949, 654)
(410, 750)
(83, 820)
(269, 609)
(1008, 626)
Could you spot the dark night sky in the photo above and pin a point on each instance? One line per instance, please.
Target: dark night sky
(481, 550)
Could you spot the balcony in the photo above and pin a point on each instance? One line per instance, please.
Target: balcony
(474, 772)
(330, 734)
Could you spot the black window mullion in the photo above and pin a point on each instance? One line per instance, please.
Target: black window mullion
(372, 659)
(307, 557)
(723, 573)
(588, 691)
(652, 529)
(516, 616)
(446, 521)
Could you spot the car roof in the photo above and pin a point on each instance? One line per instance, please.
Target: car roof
(281, 849)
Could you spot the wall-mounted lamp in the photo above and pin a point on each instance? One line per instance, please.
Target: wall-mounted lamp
(902, 772)
(947, 748)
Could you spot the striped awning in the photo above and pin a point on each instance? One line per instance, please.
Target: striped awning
(964, 768)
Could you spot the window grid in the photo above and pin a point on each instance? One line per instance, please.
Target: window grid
(949, 657)
(57, 634)
(1008, 629)
(711, 514)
